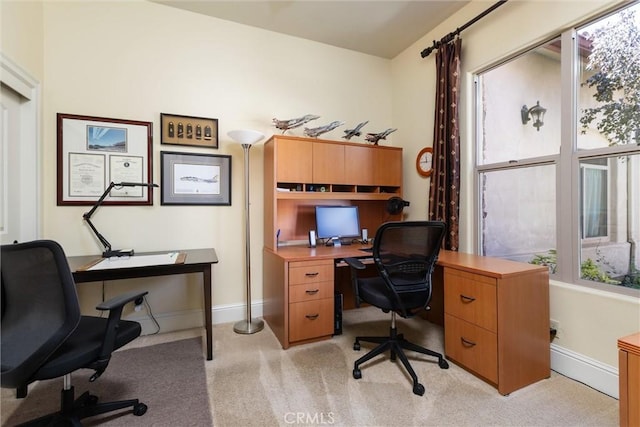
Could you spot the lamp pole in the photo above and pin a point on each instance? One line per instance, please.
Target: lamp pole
(247, 138)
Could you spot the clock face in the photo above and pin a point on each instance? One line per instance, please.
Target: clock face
(424, 161)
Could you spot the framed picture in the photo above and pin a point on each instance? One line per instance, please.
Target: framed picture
(95, 151)
(186, 130)
(195, 179)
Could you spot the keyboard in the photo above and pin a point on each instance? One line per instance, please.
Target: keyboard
(366, 249)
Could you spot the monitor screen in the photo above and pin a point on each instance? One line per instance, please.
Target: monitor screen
(337, 222)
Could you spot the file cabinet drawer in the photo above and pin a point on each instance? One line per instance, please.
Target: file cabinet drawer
(310, 272)
(310, 292)
(472, 346)
(311, 319)
(471, 297)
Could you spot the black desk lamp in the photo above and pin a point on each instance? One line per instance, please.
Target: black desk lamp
(108, 252)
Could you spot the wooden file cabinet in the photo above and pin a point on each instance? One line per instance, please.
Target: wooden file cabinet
(496, 319)
(310, 300)
(299, 299)
(629, 380)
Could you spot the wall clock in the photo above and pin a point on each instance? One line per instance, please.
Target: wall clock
(424, 162)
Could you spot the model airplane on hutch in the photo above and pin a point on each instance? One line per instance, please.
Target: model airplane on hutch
(349, 133)
(285, 125)
(375, 137)
(315, 132)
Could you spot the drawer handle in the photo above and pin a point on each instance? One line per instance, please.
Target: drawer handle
(312, 316)
(466, 342)
(311, 274)
(465, 298)
(312, 291)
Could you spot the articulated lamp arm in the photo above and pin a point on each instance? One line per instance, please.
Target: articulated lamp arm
(108, 252)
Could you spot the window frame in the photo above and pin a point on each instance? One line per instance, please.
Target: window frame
(567, 162)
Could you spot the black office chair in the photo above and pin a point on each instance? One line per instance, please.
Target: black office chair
(44, 335)
(405, 254)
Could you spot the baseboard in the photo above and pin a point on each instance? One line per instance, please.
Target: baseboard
(188, 319)
(593, 373)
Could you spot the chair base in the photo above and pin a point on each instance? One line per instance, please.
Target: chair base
(396, 344)
(73, 410)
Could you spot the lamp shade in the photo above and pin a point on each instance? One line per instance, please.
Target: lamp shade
(245, 136)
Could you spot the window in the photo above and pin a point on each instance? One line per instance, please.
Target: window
(563, 189)
(594, 196)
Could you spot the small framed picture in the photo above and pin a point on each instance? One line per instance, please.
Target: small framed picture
(195, 179)
(187, 130)
(92, 152)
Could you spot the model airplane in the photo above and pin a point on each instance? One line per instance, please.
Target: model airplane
(285, 125)
(349, 133)
(375, 137)
(314, 132)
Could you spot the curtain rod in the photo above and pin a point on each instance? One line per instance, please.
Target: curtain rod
(446, 39)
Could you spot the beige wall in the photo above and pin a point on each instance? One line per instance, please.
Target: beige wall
(590, 321)
(136, 59)
(22, 36)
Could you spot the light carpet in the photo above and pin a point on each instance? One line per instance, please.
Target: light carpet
(253, 382)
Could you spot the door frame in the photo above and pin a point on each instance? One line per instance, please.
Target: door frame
(19, 80)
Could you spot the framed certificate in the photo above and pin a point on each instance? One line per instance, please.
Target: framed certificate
(95, 151)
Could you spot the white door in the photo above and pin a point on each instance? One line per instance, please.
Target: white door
(19, 172)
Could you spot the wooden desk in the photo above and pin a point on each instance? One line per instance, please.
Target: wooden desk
(196, 261)
(629, 379)
(500, 334)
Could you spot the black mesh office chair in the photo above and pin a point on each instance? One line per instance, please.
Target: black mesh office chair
(44, 335)
(405, 254)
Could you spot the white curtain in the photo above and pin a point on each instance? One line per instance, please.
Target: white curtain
(594, 202)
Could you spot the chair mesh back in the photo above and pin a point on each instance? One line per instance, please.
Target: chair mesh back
(40, 307)
(405, 254)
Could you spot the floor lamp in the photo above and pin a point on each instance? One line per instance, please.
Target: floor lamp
(247, 138)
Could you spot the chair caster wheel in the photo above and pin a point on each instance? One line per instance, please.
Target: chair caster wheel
(418, 389)
(92, 400)
(356, 346)
(140, 409)
(443, 364)
(357, 374)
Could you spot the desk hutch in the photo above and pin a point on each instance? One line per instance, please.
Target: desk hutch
(300, 173)
(495, 312)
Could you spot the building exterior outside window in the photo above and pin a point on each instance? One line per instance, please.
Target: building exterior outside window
(563, 189)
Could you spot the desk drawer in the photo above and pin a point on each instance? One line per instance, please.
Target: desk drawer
(310, 291)
(471, 346)
(471, 297)
(310, 272)
(311, 319)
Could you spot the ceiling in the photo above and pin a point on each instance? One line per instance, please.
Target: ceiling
(375, 27)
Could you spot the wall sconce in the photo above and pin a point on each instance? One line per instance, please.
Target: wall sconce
(537, 114)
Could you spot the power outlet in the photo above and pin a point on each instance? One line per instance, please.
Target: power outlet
(555, 326)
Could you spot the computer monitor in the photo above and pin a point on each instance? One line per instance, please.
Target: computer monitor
(337, 222)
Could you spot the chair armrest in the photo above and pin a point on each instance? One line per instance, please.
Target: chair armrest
(120, 300)
(115, 306)
(355, 263)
